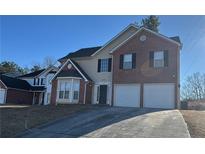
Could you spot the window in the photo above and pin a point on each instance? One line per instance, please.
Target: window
(104, 65)
(68, 90)
(76, 90)
(127, 61)
(34, 81)
(67, 87)
(158, 59)
(38, 80)
(61, 91)
(64, 89)
(43, 81)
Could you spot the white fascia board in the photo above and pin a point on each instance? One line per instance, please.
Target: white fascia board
(130, 25)
(3, 84)
(78, 70)
(68, 60)
(59, 70)
(142, 28)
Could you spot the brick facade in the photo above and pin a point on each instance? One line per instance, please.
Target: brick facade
(83, 85)
(143, 73)
(16, 96)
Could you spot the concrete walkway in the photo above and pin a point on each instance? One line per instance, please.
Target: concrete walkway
(116, 122)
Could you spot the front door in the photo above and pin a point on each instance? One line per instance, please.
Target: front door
(103, 94)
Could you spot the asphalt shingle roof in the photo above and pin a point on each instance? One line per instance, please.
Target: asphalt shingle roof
(84, 52)
(176, 38)
(18, 83)
(33, 74)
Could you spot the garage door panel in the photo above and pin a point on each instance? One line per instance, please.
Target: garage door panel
(159, 96)
(127, 95)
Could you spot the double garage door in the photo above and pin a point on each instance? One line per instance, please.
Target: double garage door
(154, 96)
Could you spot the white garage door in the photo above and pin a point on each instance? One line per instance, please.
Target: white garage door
(127, 95)
(2, 95)
(159, 96)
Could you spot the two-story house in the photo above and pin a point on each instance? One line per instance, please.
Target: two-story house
(136, 68)
(40, 79)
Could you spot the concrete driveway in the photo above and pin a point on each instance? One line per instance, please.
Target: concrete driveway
(115, 122)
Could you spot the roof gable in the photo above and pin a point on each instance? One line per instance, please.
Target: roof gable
(92, 51)
(78, 72)
(172, 40)
(115, 37)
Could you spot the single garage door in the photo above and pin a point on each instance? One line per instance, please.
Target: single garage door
(127, 95)
(159, 96)
(2, 96)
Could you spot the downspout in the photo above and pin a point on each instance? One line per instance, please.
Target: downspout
(85, 88)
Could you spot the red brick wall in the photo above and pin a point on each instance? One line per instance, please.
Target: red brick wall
(143, 73)
(89, 93)
(81, 94)
(82, 88)
(15, 96)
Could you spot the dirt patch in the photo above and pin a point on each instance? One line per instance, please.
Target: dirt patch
(15, 119)
(195, 121)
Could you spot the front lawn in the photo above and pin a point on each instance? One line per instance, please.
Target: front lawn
(17, 118)
(195, 121)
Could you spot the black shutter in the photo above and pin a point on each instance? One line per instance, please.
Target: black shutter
(151, 58)
(166, 58)
(121, 61)
(38, 81)
(34, 81)
(41, 81)
(99, 64)
(134, 60)
(109, 64)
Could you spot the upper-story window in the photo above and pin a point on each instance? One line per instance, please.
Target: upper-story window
(158, 59)
(36, 81)
(104, 65)
(128, 61)
(39, 81)
(43, 81)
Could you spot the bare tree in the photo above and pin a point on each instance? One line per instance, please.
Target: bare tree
(35, 67)
(194, 87)
(49, 61)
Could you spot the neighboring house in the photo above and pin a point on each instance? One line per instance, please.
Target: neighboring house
(41, 78)
(17, 91)
(13, 74)
(136, 68)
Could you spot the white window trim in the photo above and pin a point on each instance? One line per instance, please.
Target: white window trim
(158, 59)
(101, 64)
(129, 54)
(70, 100)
